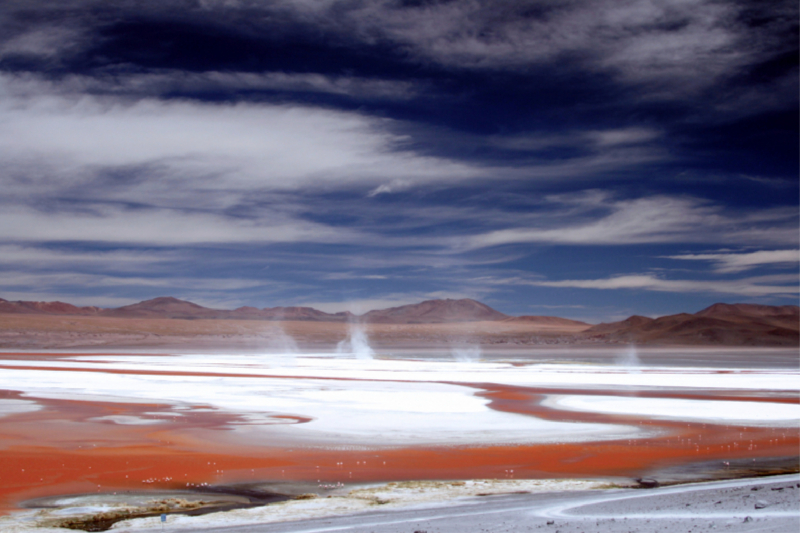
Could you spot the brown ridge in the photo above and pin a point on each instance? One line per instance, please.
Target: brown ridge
(719, 324)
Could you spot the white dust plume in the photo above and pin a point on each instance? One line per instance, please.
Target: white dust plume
(468, 354)
(630, 360)
(356, 343)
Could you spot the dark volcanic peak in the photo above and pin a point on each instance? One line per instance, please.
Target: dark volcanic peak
(435, 311)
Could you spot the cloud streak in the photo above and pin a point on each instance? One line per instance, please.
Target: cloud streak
(749, 287)
(659, 219)
(240, 145)
(733, 262)
(159, 227)
(157, 82)
(685, 46)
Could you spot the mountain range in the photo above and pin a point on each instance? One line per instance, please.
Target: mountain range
(728, 324)
(721, 323)
(427, 312)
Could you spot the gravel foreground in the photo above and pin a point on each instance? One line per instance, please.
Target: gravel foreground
(746, 505)
(766, 504)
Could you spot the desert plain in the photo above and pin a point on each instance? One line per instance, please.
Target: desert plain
(112, 422)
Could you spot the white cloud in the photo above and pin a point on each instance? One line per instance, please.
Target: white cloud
(658, 219)
(624, 136)
(730, 262)
(760, 286)
(43, 41)
(353, 275)
(604, 140)
(388, 188)
(12, 254)
(46, 280)
(672, 46)
(160, 226)
(239, 146)
(164, 81)
(677, 44)
(54, 139)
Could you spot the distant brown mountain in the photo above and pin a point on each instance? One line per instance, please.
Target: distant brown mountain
(168, 307)
(727, 324)
(428, 312)
(288, 313)
(165, 307)
(719, 324)
(783, 316)
(545, 321)
(45, 308)
(629, 323)
(435, 312)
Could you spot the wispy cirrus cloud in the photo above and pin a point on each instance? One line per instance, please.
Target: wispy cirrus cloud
(46, 41)
(685, 46)
(47, 280)
(156, 82)
(175, 227)
(658, 219)
(737, 262)
(15, 255)
(750, 287)
(666, 49)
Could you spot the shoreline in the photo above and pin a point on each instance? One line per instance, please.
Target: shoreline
(225, 506)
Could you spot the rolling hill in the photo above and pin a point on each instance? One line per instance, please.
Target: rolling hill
(726, 324)
(435, 312)
(719, 324)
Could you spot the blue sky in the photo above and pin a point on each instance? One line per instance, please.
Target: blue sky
(587, 159)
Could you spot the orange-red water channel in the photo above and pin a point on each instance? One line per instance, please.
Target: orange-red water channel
(63, 449)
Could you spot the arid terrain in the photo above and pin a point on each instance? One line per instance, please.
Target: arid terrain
(111, 417)
(172, 323)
